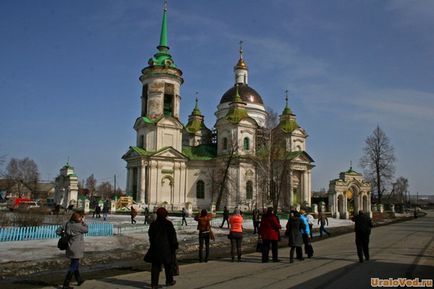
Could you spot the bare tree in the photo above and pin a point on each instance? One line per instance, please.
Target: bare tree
(227, 160)
(399, 191)
(91, 184)
(266, 152)
(22, 173)
(105, 190)
(378, 161)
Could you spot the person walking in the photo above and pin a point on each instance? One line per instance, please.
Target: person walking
(204, 227)
(310, 220)
(75, 229)
(305, 233)
(236, 233)
(105, 209)
(256, 220)
(162, 249)
(146, 213)
(133, 214)
(295, 239)
(183, 214)
(269, 231)
(225, 217)
(322, 221)
(98, 211)
(362, 227)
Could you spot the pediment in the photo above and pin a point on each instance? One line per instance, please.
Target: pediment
(169, 121)
(169, 152)
(303, 157)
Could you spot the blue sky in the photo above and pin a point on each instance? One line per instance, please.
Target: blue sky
(69, 76)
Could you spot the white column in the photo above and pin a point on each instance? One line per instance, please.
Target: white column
(141, 196)
(291, 191)
(306, 188)
(129, 180)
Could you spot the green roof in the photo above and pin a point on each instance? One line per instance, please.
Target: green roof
(194, 125)
(200, 152)
(288, 124)
(236, 114)
(142, 151)
(196, 110)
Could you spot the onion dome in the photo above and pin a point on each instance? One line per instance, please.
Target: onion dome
(241, 64)
(246, 93)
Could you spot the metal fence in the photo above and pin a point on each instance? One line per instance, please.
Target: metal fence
(49, 232)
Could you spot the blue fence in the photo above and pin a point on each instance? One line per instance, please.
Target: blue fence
(49, 232)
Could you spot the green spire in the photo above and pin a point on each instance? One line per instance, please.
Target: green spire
(286, 110)
(163, 57)
(288, 123)
(163, 35)
(237, 97)
(196, 110)
(195, 122)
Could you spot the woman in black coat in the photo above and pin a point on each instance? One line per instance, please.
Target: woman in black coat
(162, 250)
(295, 239)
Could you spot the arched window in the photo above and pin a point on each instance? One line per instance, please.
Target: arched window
(225, 143)
(249, 190)
(200, 190)
(246, 144)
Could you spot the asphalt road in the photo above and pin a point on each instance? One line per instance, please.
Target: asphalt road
(401, 250)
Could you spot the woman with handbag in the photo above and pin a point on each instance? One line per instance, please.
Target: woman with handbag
(162, 249)
(74, 229)
(236, 233)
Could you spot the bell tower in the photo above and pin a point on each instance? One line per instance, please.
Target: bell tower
(158, 125)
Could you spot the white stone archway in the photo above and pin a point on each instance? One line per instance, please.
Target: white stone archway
(348, 194)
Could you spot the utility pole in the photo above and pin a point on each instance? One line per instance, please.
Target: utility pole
(114, 187)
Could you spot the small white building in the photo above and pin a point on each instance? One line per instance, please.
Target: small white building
(349, 194)
(66, 187)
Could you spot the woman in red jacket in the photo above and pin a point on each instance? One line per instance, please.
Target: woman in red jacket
(269, 231)
(236, 233)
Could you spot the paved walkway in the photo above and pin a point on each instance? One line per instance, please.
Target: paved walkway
(399, 250)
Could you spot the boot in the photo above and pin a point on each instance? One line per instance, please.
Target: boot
(78, 278)
(68, 278)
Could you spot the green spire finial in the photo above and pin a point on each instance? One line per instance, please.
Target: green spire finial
(163, 57)
(237, 97)
(286, 110)
(196, 110)
(351, 165)
(286, 97)
(163, 35)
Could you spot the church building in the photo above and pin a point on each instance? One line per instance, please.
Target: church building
(176, 164)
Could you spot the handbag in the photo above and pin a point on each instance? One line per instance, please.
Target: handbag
(211, 234)
(63, 242)
(259, 245)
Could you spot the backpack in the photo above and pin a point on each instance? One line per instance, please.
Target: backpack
(63, 242)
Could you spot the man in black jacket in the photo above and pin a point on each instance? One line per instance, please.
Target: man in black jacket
(363, 225)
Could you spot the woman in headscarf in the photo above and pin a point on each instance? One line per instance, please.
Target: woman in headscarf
(162, 249)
